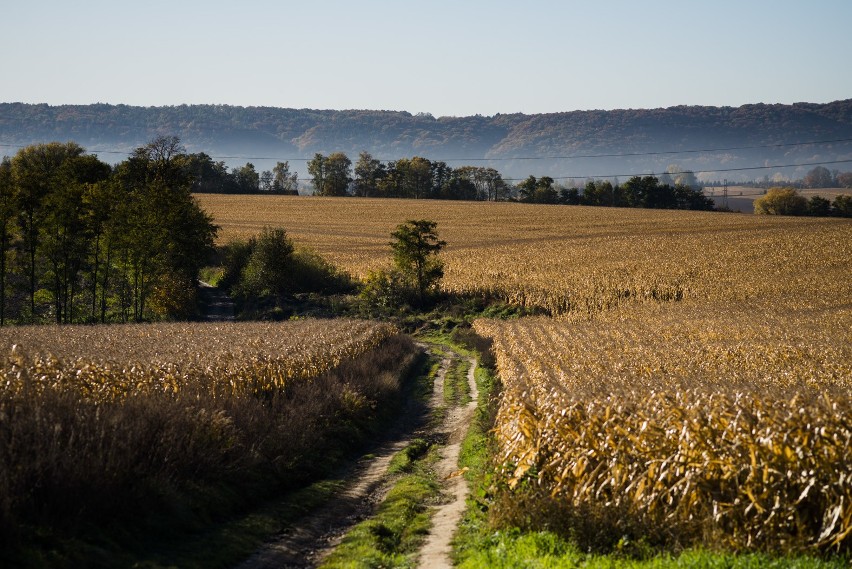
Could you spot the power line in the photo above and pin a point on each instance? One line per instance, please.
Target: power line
(566, 157)
(721, 170)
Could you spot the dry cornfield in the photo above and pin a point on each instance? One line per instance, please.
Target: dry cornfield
(569, 259)
(729, 423)
(723, 416)
(105, 363)
(110, 425)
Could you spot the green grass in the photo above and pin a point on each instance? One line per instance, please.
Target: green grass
(544, 550)
(456, 388)
(392, 537)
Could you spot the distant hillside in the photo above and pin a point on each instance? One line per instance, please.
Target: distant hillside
(263, 135)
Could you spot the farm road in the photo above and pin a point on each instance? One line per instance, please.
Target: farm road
(436, 551)
(315, 536)
(216, 305)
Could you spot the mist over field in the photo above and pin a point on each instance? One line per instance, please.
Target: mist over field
(734, 143)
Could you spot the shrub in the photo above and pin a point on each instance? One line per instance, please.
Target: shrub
(781, 201)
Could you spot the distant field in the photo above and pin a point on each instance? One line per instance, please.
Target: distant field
(577, 259)
(741, 198)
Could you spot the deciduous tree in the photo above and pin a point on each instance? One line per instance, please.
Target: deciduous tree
(415, 255)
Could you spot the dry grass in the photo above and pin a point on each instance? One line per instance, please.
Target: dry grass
(563, 259)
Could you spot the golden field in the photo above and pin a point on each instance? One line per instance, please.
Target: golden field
(729, 423)
(695, 387)
(105, 363)
(563, 258)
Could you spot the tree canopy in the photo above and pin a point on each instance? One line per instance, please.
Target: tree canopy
(81, 241)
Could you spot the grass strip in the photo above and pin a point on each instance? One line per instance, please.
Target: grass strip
(392, 537)
(456, 388)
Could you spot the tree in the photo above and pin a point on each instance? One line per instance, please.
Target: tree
(539, 190)
(415, 255)
(781, 201)
(488, 182)
(283, 180)
(844, 179)
(842, 206)
(7, 212)
(267, 270)
(266, 181)
(35, 173)
(819, 177)
(819, 206)
(331, 174)
(368, 172)
(247, 179)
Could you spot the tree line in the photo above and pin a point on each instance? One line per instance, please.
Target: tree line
(417, 177)
(421, 178)
(209, 176)
(83, 241)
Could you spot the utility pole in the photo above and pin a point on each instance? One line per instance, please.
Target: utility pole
(725, 194)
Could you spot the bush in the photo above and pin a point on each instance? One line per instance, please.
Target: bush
(781, 201)
(269, 266)
(385, 291)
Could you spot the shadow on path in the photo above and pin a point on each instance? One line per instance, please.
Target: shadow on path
(216, 305)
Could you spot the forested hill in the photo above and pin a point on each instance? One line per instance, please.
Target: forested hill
(263, 135)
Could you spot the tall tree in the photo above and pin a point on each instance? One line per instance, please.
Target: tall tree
(819, 177)
(415, 254)
(7, 213)
(368, 172)
(35, 173)
(283, 180)
(331, 174)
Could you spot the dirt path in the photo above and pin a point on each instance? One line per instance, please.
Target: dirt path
(306, 544)
(436, 551)
(216, 305)
(312, 538)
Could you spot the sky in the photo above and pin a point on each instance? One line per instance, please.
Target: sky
(447, 58)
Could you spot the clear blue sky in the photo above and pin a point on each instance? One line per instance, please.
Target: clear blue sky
(453, 57)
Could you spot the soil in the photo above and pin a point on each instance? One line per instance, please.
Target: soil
(307, 542)
(436, 551)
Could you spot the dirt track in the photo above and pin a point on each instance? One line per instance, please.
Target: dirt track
(308, 541)
(436, 551)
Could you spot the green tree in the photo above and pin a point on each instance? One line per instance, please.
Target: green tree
(7, 213)
(539, 190)
(246, 178)
(331, 174)
(781, 201)
(35, 174)
(267, 269)
(415, 255)
(283, 180)
(819, 206)
(842, 206)
(368, 172)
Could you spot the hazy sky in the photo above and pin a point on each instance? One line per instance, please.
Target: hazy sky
(454, 57)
